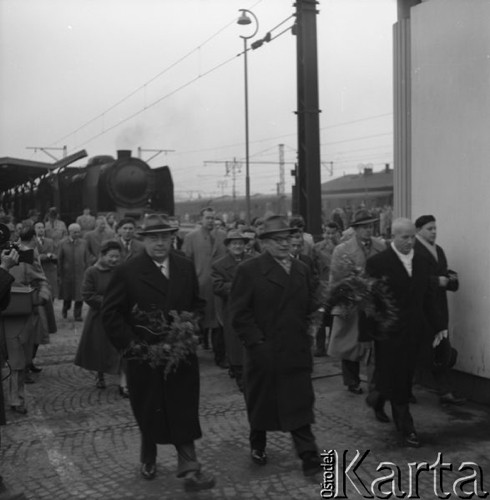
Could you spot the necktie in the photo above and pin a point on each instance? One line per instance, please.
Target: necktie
(164, 270)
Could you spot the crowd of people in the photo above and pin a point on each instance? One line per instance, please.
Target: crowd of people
(264, 297)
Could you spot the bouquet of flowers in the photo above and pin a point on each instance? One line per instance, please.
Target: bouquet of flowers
(165, 340)
(357, 291)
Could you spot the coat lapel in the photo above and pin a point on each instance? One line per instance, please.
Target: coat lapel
(152, 277)
(296, 280)
(273, 270)
(399, 267)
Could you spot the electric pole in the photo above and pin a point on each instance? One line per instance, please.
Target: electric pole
(308, 179)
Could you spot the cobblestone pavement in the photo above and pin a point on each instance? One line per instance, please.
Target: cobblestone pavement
(79, 442)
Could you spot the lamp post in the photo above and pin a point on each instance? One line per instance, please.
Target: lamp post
(244, 19)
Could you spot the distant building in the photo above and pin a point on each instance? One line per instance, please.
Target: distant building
(371, 189)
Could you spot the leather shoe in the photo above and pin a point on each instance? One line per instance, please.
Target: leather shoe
(450, 399)
(311, 463)
(410, 440)
(381, 415)
(197, 481)
(149, 470)
(28, 379)
(355, 389)
(35, 369)
(19, 409)
(258, 457)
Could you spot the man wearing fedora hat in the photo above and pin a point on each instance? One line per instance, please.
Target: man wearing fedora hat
(347, 257)
(166, 408)
(270, 302)
(223, 271)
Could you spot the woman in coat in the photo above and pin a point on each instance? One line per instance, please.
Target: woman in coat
(95, 351)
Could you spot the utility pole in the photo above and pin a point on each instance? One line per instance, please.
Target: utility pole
(47, 150)
(308, 179)
(222, 185)
(282, 181)
(329, 166)
(156, 151)
(281, 185)
(232, 168)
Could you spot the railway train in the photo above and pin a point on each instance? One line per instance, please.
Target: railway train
(125, 185)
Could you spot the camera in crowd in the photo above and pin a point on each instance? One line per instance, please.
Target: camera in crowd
(25, 254)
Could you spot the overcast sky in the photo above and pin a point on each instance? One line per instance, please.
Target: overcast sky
(103, 75)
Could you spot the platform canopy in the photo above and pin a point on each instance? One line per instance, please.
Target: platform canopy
(16, 171)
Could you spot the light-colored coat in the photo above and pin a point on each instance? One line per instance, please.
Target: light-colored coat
(344, 337)
(49, 264)
(56, 230)
(94, 240)
(72, 262)
(203, 248)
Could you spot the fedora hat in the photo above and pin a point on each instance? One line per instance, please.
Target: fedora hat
(235, 234)
(362, 217)
(276, 224)
(154, 224)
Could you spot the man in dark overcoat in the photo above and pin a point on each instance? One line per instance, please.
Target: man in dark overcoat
(270, 302)
(408, 279)
(223, 272)
(166, 409)
(442, 356)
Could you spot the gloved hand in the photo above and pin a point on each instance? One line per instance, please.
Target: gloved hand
(438, 338)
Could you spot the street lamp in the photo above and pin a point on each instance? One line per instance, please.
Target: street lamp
(244, 19)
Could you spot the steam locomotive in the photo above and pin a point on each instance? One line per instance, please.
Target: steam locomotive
(125, 185)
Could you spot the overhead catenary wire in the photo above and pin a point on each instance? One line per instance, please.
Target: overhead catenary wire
(144, 85)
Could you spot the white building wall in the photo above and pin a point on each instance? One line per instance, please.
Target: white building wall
(451, 157)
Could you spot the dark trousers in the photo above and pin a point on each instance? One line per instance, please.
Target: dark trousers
(350, 372)
(218, 341)
(186, 455)
(402, 418)
(303, 439)
(77, 313)
(320, 340)
(400, 411)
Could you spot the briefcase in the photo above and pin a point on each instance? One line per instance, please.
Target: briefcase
(21, 301)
